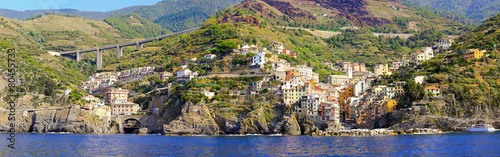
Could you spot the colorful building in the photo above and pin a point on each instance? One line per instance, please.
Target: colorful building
(294, 94)
(382, 69)
(125, 108)
(473, 54)
(390, 105)
(399, 89)
(115, 95)
(433, 90)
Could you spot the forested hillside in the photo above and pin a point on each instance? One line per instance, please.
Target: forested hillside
(260, 28)
(478, 10)
(174, 15)
(178, 15)
(474, 82)
(486, 36)
(134, 26)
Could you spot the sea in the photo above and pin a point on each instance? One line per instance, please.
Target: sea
(60, 144)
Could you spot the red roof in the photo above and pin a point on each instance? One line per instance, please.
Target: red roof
(431, 87)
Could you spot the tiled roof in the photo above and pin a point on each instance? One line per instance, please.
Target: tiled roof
(431, 87)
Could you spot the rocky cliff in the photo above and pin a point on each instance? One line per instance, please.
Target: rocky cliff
(65, 119)
(202, 118)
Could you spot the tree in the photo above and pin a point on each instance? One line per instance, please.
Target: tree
(413, 90)
(224, 48)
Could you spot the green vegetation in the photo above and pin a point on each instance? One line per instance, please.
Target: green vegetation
(448, 14)
(176, 15)
(478, 10)
(133, 26)
(483, 37)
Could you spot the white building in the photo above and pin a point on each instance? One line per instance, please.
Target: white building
(359, 88)
(259, 59)
(341, 79)
(419, 79)
(186, 73)
(210, 56)
(310, 105)
(280, 66)
(67, 91)
(315, 77)
(208, 94)
(445, 44)
(429, 53)
(305, 72)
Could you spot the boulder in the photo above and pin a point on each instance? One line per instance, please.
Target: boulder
(143, 131)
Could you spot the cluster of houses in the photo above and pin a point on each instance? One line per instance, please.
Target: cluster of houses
(350, 98)
(115, 102)
(100, 81)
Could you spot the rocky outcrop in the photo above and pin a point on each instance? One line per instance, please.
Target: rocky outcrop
(193, 119)
(355, 11)
(143, 131)
(308, 127)
(288, 126)
(201, 119)
(71, 120)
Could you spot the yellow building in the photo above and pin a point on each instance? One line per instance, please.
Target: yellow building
(103, 111)
(293, 95)
(473, 53)
(382, 69)
(378, 89)
(292, 71)
(399, 90)
(390, 105)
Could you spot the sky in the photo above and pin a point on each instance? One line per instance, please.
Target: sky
(82, 5)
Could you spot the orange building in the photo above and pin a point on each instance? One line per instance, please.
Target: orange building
(114, 95)
(345, 106)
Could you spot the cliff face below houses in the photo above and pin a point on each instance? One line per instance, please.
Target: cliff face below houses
(202, 118)
(65, 119)
(444, 113)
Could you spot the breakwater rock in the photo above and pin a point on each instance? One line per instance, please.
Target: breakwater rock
(355, 132)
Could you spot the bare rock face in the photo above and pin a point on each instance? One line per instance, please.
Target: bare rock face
(143, 131)
(291, 126)
(308, 127)
(72, 120)
(194, 119)
(496, 125)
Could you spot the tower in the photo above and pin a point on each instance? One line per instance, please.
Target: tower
(349, 71)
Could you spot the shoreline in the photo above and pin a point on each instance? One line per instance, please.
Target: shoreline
(353, 132)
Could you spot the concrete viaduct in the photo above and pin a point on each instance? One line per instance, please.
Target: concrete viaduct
(119, 47)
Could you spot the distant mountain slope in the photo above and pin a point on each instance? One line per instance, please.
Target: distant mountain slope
(478, 10)
(134, 26)
(483, 37)
(14, 14)
(174, 15)
(177, 15)
(383, 16)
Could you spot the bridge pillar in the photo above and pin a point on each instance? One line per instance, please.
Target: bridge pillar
(138, 45)
(157, 39)
(78, 56)
(118, 51)
(99, 59)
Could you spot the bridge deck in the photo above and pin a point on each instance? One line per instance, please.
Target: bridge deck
(158, 38)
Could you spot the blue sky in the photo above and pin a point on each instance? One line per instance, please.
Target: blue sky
(83, 5)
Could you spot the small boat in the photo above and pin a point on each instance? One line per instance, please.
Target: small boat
(481, 127)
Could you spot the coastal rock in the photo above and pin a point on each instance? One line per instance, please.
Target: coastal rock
(194, 119)
(291, 126)
(307, 127)
(143, 131)
(71, 120)
(496, 125)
